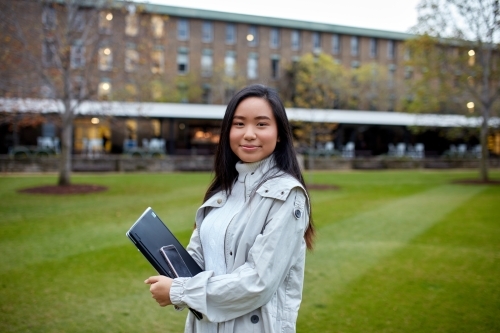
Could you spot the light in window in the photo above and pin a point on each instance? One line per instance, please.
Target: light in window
(252, 36)
(104, 90)
(131, 24)
(157, 26)
(131, 59)
(105, 59)
(158, 61)
(105, 19)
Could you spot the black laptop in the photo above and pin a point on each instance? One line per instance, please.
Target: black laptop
(160, 247)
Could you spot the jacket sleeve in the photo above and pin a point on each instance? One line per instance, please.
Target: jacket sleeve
(250, 286)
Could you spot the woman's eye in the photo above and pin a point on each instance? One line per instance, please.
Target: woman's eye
(237, 124)
(262, 124)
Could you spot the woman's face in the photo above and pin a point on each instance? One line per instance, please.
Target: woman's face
(254, 133)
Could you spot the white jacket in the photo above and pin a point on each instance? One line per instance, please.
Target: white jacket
(265, 257)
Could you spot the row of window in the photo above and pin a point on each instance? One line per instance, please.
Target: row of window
(275, 39)
(207, 33)
(207, 61)
(105, 60)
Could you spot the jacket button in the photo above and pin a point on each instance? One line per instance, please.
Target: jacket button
(231, 253)
(219, 201)
(298, 213)
(254, 319)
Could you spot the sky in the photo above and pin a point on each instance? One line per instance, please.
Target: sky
(392, 15)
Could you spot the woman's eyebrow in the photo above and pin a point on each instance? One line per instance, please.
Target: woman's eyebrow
(258, 117)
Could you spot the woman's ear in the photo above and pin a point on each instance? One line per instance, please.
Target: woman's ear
(278, 139)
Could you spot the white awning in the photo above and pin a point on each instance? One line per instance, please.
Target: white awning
(205, 111)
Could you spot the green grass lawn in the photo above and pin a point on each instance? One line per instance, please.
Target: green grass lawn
(396, 251)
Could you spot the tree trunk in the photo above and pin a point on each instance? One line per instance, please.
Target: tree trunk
(66, 145)
(483, 165)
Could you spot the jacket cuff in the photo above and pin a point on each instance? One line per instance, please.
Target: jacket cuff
(177, 292)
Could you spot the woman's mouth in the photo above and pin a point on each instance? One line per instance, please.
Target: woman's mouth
(249, 147)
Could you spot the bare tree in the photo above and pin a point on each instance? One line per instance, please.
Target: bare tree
(52, 51)
(458, 53)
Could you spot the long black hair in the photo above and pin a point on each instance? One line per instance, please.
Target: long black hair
(284, 153)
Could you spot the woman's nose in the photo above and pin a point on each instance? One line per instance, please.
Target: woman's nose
(249, 133)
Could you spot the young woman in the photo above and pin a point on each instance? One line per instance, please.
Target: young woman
(252, 230)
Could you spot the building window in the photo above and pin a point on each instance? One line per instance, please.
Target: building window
(408, 54)
(207, 62)
(104, 90)
(78, 86)
(253, 66)
(131, 58)
(77, 54)
(274, 38)
(157, 26)
(49, 18)
(206, 96)
(373, 47)
(316, 38)
(131, 90)
(295, 39)
(131, 24)
(229, 93)
(158, 61)
(392, 76)
(408, 72)
(46, 91)
(336, 44)
(207, 32)
(182, 29)
(354, 46)
(230, 33)
(49, 53)
(230, 63)
(156, 90)
(105, 20)
(275, 67)
(182, 60)
(79, 21)
(391, 49)
(105, 59)
(253, 36)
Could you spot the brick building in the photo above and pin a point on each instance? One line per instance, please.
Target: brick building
(156, 53)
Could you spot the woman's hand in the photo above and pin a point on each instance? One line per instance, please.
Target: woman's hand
(160, 289)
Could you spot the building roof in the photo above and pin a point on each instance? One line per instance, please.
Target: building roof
(216, 112)
(271, 21)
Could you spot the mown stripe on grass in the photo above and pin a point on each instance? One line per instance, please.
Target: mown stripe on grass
(349, 248)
